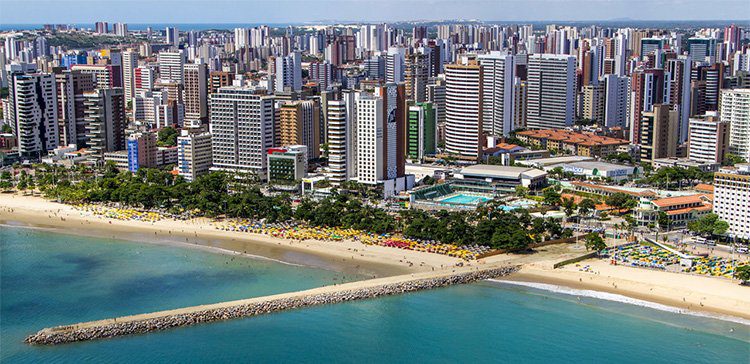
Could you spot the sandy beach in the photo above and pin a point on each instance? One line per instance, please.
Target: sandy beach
(692, 292)
(346, 256)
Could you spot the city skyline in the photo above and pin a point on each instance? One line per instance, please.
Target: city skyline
(295, 11)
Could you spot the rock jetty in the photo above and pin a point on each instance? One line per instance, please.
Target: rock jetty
(163, 320)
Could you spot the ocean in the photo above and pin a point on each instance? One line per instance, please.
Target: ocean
(49, 279)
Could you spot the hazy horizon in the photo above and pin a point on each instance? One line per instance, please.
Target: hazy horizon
(352, 11)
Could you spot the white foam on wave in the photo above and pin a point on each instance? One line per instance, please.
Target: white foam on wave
(622, 299)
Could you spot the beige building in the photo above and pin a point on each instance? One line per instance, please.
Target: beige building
(594, 102)
(659, 133)
(299, 124)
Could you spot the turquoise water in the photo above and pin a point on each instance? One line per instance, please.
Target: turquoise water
(462, 199)
(52, 279)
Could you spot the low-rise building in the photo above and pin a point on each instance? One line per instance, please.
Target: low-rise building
(685, 163)
(504, 177)
(680, 209)
(597, 170)
(579, 143)
(287, 165)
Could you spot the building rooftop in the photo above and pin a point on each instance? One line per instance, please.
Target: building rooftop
(571, 137)
(543, 162)
(503, 172)
(682, 200)
(602, 166)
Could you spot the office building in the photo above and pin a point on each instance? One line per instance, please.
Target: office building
(171, 65)
(241, 124)
(194, 155)
(551, 91)
(421, 131)
(287, 164)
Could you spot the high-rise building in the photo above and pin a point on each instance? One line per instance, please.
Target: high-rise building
(416, 75)
(219, 79)
(101, 27)
(647, 88)
(658, 133)
(194, 155)
(104, 113)
(171, 65)
(651, 45)
(551, 91)
(299, 124)
(196, 92)
(288, 72)
(394, 64)
(141, 149)
(616, 98)
(322, 73)
(498, 77)
(436, 96)
(241, 38)
(679, 93)
(520, 99)
(702, 49)
(104, 76)
(120, 29)
(33, 112)
(380, 134)
(420, 131)
(594, 102)
(463, 108)
(172, 36)
(735, 110)
(342, 144)
(708, 140)
(71, 85)
(144, 79)
(129, 64)
(241, 123)
(732, 197)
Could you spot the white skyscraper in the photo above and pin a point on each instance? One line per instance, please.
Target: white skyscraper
(171, 66)
(497, 93)
(735, 110)
(394, 64)
(370, 139)
(289, 72)
(196, 91)
(463, 117)
(551, 91)
(241, 129)
(616, 100)
(172, 36)
(342, 147)
(241, 38)
(129, 64)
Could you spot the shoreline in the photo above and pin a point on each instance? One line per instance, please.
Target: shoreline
(349, 257)
(682, 291)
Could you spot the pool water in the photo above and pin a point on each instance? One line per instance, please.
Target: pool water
(461, 199)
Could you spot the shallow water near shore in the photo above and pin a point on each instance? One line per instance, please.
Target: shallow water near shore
(50, 279)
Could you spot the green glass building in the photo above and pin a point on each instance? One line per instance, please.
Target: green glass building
(420, 131)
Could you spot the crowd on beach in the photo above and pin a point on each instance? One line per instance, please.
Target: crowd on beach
(120, 213)
(655, 257)
(302, 232)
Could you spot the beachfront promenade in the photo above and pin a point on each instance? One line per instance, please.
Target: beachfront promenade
(162, 320)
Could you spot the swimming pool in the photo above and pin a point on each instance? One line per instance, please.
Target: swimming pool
(462, 199)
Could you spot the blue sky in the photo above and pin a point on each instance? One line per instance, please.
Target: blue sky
(281, 11)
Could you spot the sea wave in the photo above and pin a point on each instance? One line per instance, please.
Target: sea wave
(622, 299)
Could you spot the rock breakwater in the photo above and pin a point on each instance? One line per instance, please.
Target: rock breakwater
(163, 320)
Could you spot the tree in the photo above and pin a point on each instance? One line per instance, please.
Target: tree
(551, 197)
(732, 159)
(167, 137)
(620, 200)
(586, 205)
(522, 191)
(595, 242)
(663, 220)
(6, 129)
(708, 224)
(568, 206)
(742, 273)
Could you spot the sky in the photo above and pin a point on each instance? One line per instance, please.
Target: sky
(299, 11)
